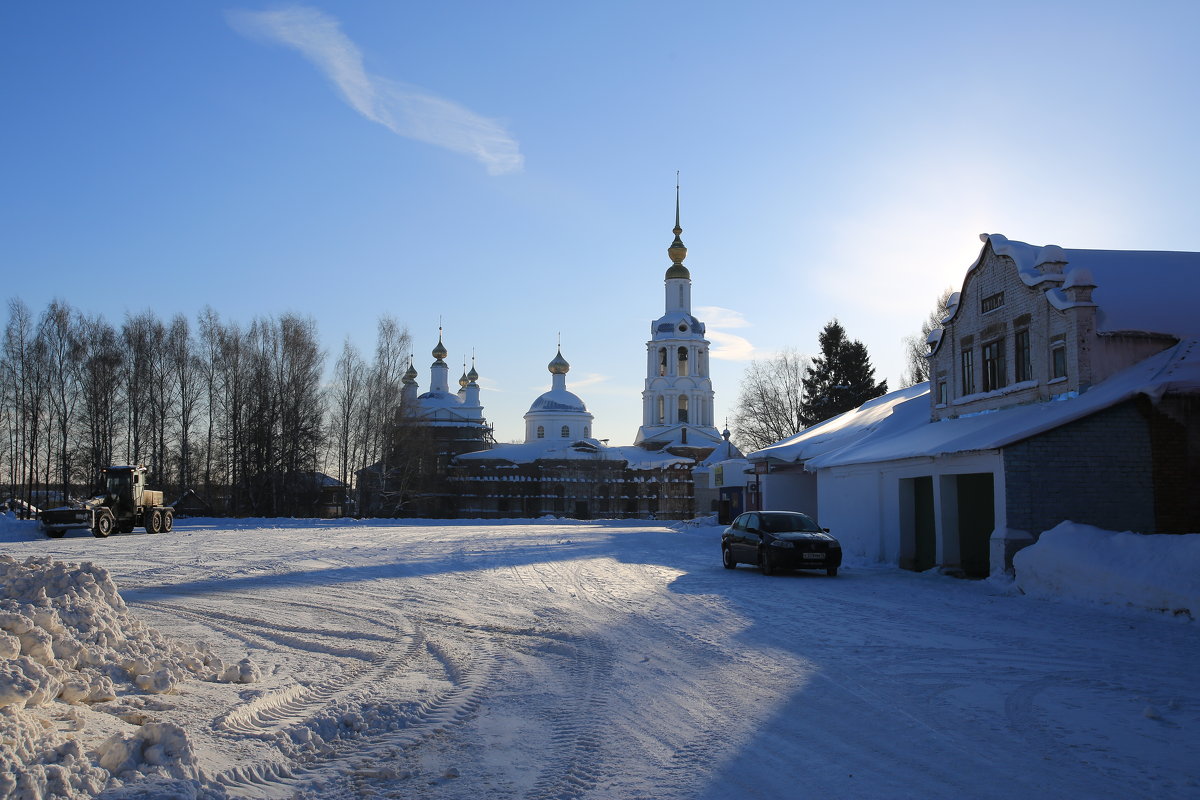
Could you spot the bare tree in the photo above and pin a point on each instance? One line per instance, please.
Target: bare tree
(916, 346)
(301, 406)
(378, 420)
(349, 377)
(21, 395)
(769, 401)
(188, 381)
(137, 334)
(101, 369)
(59, 334)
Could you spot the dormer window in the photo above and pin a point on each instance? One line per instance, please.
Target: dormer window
(992, 302)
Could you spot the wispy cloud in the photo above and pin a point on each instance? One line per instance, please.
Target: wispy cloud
(405, 110)
(727, 346)
(731, 347)
(718, 317)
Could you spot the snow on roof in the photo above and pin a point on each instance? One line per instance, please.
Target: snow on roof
(723, 452)
(558, 401)
(574, 450)
(897, 426)
(903, 409)
(1136, 290)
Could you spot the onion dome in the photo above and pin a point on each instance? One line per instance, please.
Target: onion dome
(410, 374)
(440, 351)
(463, 379)
(472, 376)
(559, 365)
(677, 251)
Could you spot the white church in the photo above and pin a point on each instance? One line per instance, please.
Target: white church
(560, 469)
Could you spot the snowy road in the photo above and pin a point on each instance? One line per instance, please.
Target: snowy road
(610, 660)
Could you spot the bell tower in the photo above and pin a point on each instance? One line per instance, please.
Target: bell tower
(677, 403)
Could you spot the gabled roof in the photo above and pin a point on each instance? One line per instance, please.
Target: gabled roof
(1152, 291)
(896, 426)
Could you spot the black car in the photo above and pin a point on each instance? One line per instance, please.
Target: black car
(779, 540)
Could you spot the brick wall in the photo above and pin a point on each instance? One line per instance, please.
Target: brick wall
(1097, 471)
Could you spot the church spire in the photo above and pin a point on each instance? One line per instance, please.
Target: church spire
(677, 251)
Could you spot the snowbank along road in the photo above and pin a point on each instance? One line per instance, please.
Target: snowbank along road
(559, 660)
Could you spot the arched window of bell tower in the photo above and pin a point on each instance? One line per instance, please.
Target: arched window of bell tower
(662, 413)
(662, 361)
(682, 369)
(683, 408)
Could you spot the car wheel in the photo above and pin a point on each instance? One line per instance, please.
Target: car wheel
(55, 533)
(168, 521)
(104, 525)
(154, 522)
(831, 572)
(764, 562)
(727, 558)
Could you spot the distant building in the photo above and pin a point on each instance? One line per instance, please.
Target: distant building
(561, 469)
(428, 430)
(1065, 384)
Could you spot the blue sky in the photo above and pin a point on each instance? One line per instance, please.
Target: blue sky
(509, 168)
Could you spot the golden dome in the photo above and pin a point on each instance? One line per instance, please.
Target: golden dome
(440, 351)
(559, 365)
(472, 376)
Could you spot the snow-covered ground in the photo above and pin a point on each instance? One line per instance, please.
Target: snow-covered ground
(560, 660)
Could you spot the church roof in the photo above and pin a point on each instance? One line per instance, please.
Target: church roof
(558, 400)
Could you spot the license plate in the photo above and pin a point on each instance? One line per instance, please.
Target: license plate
(814, 555)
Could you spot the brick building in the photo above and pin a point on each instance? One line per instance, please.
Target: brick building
(1065, 384)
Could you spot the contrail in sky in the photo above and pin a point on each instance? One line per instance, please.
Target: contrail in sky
(403, 109)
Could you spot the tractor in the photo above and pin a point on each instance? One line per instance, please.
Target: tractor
(123, 504)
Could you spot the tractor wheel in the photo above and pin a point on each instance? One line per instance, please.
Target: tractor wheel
(154, 522)
(104, 525)
(168, 518)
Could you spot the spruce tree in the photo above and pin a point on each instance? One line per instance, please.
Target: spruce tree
(839, 379)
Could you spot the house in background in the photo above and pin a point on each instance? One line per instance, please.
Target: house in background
(1065, 384)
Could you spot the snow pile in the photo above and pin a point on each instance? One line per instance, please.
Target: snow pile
(67, 640)
(1160, 572)
(13, 529)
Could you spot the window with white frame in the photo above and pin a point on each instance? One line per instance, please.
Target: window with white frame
(1058, 360)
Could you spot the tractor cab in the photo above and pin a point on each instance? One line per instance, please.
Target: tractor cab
(123, 488)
